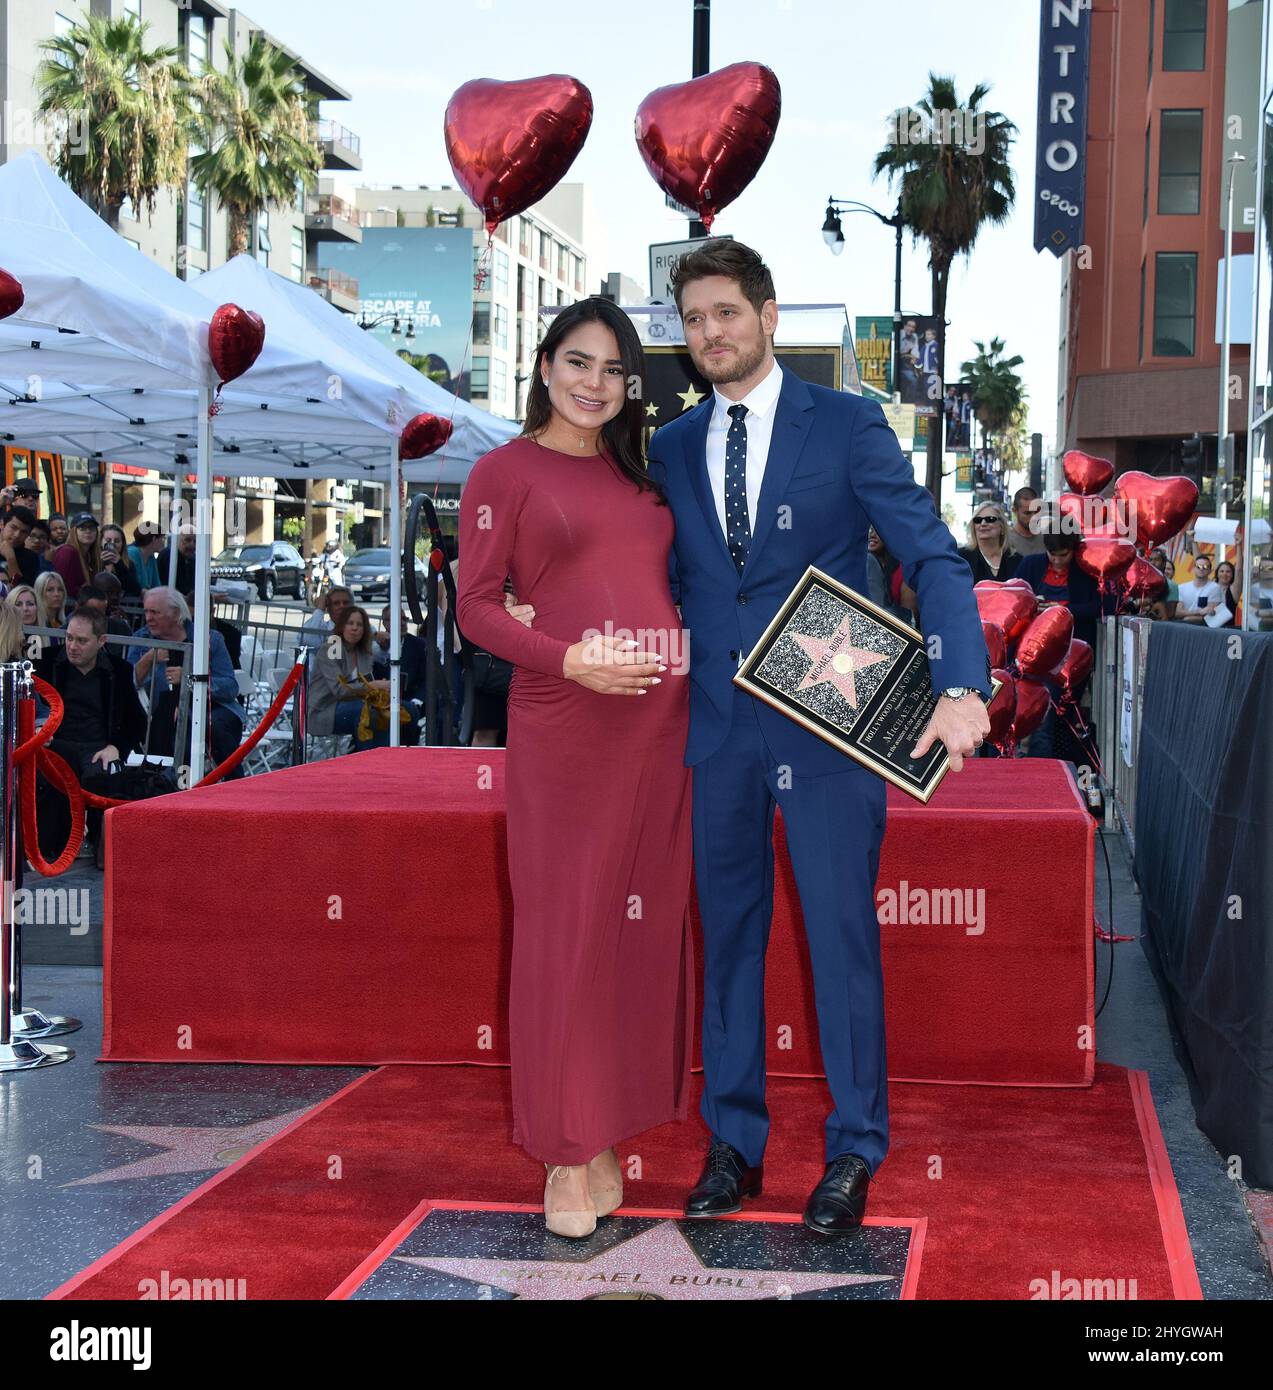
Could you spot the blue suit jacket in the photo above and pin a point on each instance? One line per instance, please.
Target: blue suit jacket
(834, 468)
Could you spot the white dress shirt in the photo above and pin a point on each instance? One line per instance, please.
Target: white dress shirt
(761, 403)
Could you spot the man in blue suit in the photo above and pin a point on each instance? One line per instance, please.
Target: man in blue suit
(766, 477)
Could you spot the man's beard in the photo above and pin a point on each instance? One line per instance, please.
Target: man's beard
(742, 364)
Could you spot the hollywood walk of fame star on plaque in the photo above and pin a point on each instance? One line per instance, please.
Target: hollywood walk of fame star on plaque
(854, 675)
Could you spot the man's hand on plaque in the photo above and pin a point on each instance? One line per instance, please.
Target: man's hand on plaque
(962, 725)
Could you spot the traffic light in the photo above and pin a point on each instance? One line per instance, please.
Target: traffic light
(1191, 458)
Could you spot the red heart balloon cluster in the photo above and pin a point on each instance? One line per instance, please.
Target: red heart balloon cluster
(12, 296)
(1006, 605)
(235, 339)
(704, 140)
(509, 143)
(1159, 506)
(423, 434)
(1085, 473)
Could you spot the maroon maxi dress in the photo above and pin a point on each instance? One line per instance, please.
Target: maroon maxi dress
(599, 829)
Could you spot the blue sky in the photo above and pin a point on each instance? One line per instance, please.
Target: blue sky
(843, 66)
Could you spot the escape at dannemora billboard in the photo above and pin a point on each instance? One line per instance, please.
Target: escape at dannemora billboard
(422, 275)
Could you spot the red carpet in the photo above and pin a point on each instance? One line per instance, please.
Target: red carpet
(358, 911)
(1013, 1183)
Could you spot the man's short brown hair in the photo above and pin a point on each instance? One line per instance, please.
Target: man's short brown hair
(720, 256)
(95, 620)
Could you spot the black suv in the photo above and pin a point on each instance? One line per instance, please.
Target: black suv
(273, 568)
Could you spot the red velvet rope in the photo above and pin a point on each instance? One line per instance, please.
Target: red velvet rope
(31, 749)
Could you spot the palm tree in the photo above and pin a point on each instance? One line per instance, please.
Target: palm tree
(124, 109)
(255, 123)
(949, 190)
(998, 393)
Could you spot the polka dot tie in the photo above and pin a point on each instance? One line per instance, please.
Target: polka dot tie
(737, 526)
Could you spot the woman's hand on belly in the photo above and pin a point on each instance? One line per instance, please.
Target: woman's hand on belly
(611, 666)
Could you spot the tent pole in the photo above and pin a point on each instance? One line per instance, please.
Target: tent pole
(396, 552)
(202, 587)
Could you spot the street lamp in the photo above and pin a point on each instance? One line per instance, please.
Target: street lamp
(833, 235)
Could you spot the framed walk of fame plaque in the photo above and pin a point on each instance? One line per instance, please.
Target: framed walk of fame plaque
(854, 675)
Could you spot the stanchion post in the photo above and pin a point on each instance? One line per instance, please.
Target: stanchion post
(17, 1051)
(300, 706)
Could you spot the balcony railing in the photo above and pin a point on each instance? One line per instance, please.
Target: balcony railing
(333, 131)
(328, 205)
(335, 281)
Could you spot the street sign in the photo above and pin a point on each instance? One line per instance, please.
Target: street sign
(663, 256)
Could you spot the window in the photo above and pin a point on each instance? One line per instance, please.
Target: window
(523, 298)
(199, 44)
(196, 228)
(501, 273)
(1180, 162)
(298, 255)
(1184, 35)
(263, 247)
(1140, 334)
(62, 26)
(1175, 303)
(1153, 8)
(1144, 215)
(479, 378)
(562, 255)
(482, 324)
(126, 209)
(501, 327)
(133, 7)
(499, 381)
(545, 241)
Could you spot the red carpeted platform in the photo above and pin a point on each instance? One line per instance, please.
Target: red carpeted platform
(1019, 1189)
(358, 911)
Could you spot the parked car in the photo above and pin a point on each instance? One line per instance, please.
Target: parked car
(273, 568)
(367, 573)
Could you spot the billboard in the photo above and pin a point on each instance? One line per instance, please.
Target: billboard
(1061, 150)
(960, 416)
(919, 381)
(874, 340)
(423, 276)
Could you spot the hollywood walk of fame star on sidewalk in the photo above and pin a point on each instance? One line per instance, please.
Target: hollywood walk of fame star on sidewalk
(659, 1261)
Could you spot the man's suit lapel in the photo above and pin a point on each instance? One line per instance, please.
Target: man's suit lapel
(696, 465)
(793, 419)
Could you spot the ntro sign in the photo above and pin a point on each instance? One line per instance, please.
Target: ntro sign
(1061, 158)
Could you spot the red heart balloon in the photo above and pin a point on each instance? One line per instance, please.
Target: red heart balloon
(1073, 513)
(1085, 473)
(11, 294)
(1032, 705)
(1044, 643)
(704, 140)
(1075, 667)
(996, 644)
(510, 142)
(1022, 584)
(1010, 609)
(1159, 507)
(1002, 709)
(235, 339)
(1143, 580)
(423, 434)
(1105, 557)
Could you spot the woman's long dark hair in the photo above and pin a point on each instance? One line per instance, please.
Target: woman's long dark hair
(623, 435)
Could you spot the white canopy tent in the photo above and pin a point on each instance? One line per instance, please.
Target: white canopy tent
(108, 358)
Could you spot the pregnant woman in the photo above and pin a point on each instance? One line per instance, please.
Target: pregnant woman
(599, 830)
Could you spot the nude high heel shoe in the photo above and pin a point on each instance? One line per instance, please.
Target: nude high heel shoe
(575, 1224)
(607, 1195)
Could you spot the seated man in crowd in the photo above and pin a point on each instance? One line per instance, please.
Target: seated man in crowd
(415, 655)
(94, 597)
(326, 611)
(39, 540)
(158, 671)
(102, 719)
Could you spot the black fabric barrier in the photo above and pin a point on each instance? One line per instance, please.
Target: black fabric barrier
(1204, 858)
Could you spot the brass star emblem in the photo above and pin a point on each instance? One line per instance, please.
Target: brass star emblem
(690, 397)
